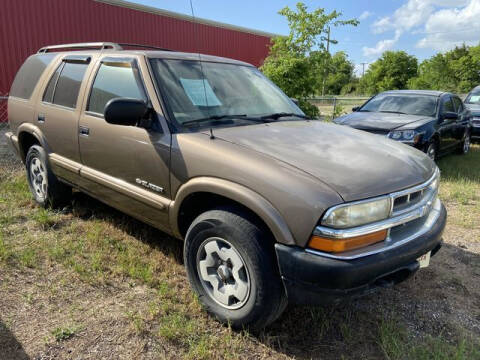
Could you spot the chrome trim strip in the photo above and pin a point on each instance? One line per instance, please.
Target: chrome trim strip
(385, 245)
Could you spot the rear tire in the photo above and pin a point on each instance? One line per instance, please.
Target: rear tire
(465, 147)
(231, 266)
(46, 189)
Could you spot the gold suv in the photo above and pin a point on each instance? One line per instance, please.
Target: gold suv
(272, 207)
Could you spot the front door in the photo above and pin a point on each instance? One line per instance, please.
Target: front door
(126, 166)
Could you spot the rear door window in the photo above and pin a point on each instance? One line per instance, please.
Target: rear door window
(68, 84)
(448, 105)
(29, 74)
(115, 79)
(64, 85)
(458, 104)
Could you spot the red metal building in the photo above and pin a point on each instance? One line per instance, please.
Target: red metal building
(27, 25)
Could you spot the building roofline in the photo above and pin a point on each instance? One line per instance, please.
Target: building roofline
(158, 11)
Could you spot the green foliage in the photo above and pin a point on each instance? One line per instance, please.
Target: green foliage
(296, 60)
(391, 72)
(456, 71)
(339, 74)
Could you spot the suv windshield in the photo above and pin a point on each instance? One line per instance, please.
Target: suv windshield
(473, 98)
(219, 93)
(424, 105)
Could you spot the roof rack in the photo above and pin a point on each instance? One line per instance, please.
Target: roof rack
(92, 45)
(96, 45)
(145, 46)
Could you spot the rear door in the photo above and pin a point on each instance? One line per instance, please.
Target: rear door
(461, 124)
(446, 126)
(58, 112)
(126, 166)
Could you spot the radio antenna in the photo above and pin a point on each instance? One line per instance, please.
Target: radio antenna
(204, 78)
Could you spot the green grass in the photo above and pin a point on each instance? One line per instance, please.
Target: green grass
(102, 247)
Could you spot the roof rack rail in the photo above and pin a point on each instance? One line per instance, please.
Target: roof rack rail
(98, 45)
(145, 46)
(92, 45)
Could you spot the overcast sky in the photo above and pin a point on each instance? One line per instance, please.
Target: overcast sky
(420, 27)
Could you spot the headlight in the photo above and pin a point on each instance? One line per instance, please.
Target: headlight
(405, 135)
(365, 212)
(408, 134)
(396, 135)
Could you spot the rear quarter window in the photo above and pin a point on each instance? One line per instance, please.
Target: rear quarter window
(29, 74)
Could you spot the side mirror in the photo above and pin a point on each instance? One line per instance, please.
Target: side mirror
(125, 111)
(356, 108)
(295, 101)
(449, 115)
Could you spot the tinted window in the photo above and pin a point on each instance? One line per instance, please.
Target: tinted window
(448, 105)
(424, 105)
(48, 94)
(68, 84)
(29, 74)
(458, 104)
(114, 80)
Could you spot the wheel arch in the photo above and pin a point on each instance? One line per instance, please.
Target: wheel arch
(29, 135)
(204, 193)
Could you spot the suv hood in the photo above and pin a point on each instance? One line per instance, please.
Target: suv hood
(377, 120)
(356, 164)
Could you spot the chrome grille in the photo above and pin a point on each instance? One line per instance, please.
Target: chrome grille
(410, 199)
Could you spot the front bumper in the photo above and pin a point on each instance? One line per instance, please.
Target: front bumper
(314, 279)
(475, 132)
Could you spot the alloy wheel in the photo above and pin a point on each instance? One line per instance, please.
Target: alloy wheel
(466, 144)
(38, 177)
(223, 273)
(432, 151)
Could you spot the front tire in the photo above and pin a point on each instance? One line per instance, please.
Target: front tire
(231, 266)
(46, 189)
(432, 150)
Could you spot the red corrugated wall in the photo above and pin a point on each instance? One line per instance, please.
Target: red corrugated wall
(27, 25)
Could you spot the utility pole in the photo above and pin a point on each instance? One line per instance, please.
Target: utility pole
(363, 71)
(325, 73)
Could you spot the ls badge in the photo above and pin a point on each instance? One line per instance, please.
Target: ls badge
(148, 185)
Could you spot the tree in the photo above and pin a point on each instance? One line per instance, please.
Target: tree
(391, 72)
(296, 60)
(339, 74)
(456, 71)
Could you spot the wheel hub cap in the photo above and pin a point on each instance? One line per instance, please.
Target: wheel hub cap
(223, 273)
(38, 177)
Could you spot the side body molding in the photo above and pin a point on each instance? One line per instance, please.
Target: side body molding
(243, 195)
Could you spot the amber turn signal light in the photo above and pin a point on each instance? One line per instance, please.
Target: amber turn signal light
(340, 245)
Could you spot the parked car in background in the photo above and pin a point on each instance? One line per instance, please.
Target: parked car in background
(434, 122)
(472, 102)
(272, 207)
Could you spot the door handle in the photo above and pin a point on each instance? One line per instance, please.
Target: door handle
(84, 131)
(41, 118)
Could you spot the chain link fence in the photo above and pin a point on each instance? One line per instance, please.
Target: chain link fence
(333, 106)
(8, 159)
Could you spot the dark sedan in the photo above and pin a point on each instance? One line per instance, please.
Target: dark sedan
(472, 102)
(431, 121)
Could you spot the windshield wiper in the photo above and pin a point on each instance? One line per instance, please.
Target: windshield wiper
(393, 112)
(222, 117)
(276, 116)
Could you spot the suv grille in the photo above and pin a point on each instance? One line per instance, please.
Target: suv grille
(408, 200)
